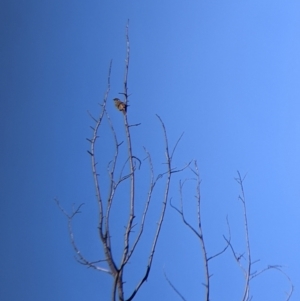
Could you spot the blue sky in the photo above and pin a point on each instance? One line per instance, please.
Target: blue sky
(226, 73)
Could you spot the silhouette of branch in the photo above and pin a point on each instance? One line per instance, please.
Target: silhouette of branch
(79, 257)
(198, 231)
(173, 287)
(247, 270)
(163, 209)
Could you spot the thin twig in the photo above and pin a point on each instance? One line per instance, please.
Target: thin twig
(163, 209)
(79, 257)
(173, 287)
(240, 180)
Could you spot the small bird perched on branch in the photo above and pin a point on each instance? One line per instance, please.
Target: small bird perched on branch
(120, 105)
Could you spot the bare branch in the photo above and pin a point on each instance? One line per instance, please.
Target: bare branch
(136, 124)
(173, 287)
(163, 209)
(92, 153)
(198, 232)
(103, 222)
(241, 197)
(112, 188)
(175, 146)
(126, 64)
(227, 245)
(92, 118)
(79, 257)
(278, 268)
(133, 163)
(130, 158)
(152, 184)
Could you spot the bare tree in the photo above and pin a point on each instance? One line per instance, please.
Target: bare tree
(129, 173)
(114, 265)
(243, 260)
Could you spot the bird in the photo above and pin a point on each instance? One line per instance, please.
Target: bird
(120, 105)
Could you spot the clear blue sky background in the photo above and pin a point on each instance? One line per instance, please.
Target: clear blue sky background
(224, 72)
